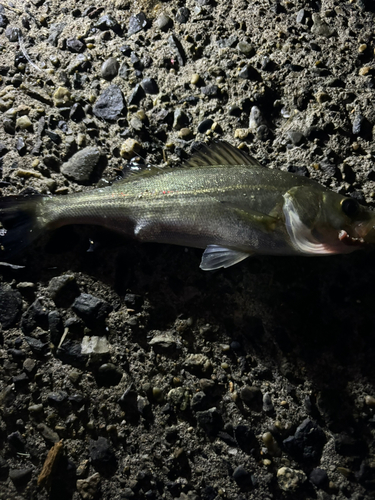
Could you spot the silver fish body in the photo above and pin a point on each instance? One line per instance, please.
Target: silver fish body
(222, 201)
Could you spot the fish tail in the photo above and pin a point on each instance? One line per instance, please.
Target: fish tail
(19, 225)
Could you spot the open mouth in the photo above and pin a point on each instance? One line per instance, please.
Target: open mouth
(344, 237)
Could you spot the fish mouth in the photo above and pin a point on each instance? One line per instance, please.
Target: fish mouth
(348, 240)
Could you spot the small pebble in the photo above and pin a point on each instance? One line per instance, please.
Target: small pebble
(164, 22)
(110, 68)
(290, 480)
(130, 148)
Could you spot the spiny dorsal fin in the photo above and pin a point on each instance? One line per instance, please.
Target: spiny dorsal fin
(221, 153)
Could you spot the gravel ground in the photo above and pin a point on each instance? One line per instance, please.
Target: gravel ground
(125, 371)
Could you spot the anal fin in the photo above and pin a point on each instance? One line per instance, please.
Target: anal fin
(216, 256)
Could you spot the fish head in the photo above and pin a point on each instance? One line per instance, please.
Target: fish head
(321, 222)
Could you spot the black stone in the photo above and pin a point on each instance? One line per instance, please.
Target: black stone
(3, 21)
(200, 402)
(20, 380)
(63, 290)
(234, 110)
(35, 315)
(205, 125)
(249, 73)
(17, 442)
(101, 455)
(137, 22)
(182, 15)
(57, 398)
(108, 22)
(75, 45)
(150, 86)
(37, 346)
(296, 137)
(76, 112)
(70, 353)
(9, 126)
(245, 438)
(17, 354)
(53, 136)
(177, 49)
(91, 309)
(210, 90)
(319, 478)
(21, 146)
(298, 170)
(10, 306)
(263, 133)
(243, 478)
(108, 375)
(20, 477)
(110, 104)
(307, 442)
(210, 421)
(55, 327)
(13, 34)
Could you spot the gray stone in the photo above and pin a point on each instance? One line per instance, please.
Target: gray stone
(137, 22)
(83, 166)
(177, 49)
(110, 68)
(164, 22)
(110, 104)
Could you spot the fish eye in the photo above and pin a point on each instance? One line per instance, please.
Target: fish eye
(350, 206)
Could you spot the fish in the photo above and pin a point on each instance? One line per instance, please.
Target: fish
(221, 200)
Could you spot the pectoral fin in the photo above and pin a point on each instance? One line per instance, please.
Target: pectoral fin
(216, 256)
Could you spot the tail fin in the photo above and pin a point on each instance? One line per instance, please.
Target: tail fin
(18, 224)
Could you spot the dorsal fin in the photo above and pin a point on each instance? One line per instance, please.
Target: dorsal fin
(220, 153)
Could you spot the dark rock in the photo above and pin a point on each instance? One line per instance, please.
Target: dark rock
(55, 31)
(17, 354)
(35, 315)
(137, 95)
(180, 119)
(76, 112)
(21, 146)
(57, 398)
(249, 73)
(137, 22)
(243, 478)
(361, 126)
(110, 104)
(182, 15)
(319, 478)
(228, 439)
(16, 441)
(150, 86)
(210, 90)
(20, 477)
(234, 110)
(200, 401)
(70, 353)
(252, 397)
(298, 170)
(108, 22)
(296, 137)
(75, 45)
(349, 446)
(110, 68)
(177, 49)
(3, 149)
(108, 375)
(205, 125)
(227, 42)
(3, 21)
(210, 421)
(267, 403)
(20, 380)
(9, 126)
(84, 166)
(55, 137)
(13, 34)
(37, 346)
(91, 309)
(102, 455)
(263, 133)
(10, 306)
(63, 290)
(328, 168)
(307, 442)
(246, 439)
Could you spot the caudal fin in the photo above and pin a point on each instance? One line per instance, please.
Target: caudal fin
(18, 224)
